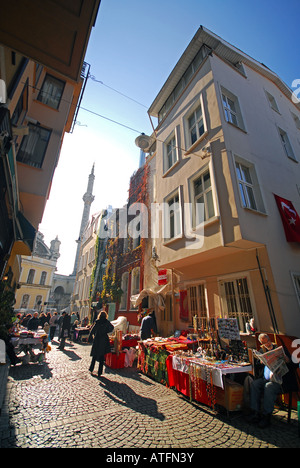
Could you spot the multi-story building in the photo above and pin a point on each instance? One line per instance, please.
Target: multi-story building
(37, 275)
(81, 302)
(227, 141)
(41, 85)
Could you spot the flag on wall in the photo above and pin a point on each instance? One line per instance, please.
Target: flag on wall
(290, 219)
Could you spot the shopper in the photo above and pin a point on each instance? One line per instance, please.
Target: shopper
(101, 345)
(53, 323)
(65, 330)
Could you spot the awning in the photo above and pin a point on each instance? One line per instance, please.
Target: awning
(25, 232)
(158, 296)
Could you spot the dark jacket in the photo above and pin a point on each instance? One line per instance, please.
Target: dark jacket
(65, 326)
(101, 344)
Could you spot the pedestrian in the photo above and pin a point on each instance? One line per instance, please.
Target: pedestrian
(65, 330)
(34, 322)
(101, 345)
(148, 326)
(53, 323)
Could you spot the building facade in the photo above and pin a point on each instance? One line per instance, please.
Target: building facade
(37, 275)
(41, 85)
(227, 141)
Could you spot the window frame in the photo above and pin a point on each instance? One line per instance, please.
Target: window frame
(167, 221)
(237, 300)
(167, 167)
(49, 101)
(28, 160)
(198, 104)
(254, 185)
(227, 110)
(211, 189)
(286, 144)
(272, 101)
(296, 279)
(198, 304)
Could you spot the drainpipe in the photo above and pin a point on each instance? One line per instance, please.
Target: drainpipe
(268, 297)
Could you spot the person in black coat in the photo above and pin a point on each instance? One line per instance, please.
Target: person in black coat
(101, 344)
(65, 330)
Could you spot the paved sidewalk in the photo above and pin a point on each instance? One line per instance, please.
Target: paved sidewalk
(59, 404)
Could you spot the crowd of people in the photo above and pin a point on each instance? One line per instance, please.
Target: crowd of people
(63, 324)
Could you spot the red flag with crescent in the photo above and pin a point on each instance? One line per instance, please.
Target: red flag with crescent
(290, 219)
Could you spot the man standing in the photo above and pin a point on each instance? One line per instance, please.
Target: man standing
(65, 330)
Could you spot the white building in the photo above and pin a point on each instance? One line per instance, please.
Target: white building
(228, 136)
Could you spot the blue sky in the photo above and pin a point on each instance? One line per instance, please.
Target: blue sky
(132, 49)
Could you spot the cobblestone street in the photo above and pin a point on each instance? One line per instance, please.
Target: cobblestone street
(59, 404)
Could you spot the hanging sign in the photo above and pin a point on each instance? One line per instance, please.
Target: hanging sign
(162, 277)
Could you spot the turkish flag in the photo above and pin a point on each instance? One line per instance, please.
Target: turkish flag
(290, 219)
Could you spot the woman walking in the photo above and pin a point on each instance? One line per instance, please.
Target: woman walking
(101, 344)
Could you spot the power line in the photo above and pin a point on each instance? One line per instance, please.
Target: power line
(93, 78)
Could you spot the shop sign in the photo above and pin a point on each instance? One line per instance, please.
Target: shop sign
(162, 277)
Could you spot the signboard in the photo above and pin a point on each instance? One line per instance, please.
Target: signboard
(162, 277)
(228, 328)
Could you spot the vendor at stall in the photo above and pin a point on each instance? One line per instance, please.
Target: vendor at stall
(148, 325)
(266, 387)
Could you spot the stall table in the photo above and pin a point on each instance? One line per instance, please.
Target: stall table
(81, 333)
(204, 381)
(153, 356)
(26, 342)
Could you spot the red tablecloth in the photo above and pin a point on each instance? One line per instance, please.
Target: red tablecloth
(181, 381)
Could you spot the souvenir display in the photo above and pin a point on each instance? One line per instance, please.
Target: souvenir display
(196, 364)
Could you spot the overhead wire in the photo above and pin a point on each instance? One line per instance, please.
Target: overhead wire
(93, 78)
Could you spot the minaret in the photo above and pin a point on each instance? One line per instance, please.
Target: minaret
(88, 199)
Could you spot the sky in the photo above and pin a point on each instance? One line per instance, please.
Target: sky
(133, 48)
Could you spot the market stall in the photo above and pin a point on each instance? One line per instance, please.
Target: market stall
(201, 365)
(153, 355)
(123, 349)
(25, 341)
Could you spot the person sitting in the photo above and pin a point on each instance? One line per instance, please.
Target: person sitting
(267, 389)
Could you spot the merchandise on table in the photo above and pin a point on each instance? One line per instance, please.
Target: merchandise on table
(196, 364)
(25, 341)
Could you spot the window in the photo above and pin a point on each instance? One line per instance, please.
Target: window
(296, 281)
(296, 120)
(184, 80)
(237, 302)
(272, 101)
(33, 147)
(21, 107)
(248, 186)
(43, 277)
(172, 217)
(38, 302)
(30, 276)
(135, 281)
(170, 153)
(197, 301)
(51, 91)
(196, 125)
(25, 301)
(124, 287)
(232, 109)
(202, 195)
(286, 144)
